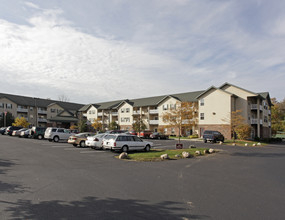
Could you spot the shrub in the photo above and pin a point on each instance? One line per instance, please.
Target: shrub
(193, 136)
(243, 131)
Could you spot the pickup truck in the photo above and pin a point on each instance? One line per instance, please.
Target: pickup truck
(213, 136)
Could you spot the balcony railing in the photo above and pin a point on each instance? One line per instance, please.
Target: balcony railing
(22, 110)
(42, 120)
(255, 121)
(153, 111)
(42, 112)
(255, 107)
(153, 122)
(114, 113)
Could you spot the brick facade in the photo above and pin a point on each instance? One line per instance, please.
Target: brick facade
(224, 129)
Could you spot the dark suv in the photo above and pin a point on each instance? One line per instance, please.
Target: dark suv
(37, 132)
(213, 136)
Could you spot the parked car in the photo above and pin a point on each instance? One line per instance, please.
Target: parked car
(10, 129)
(25, 134)
(95, 142)
(144, 134)
(2, 130)
(125, 143)
(18, 132)
(132, 132)
(79, 139)
(57, 134)
(212, 136)
(156, 135)
(37, 132)
(116, 131)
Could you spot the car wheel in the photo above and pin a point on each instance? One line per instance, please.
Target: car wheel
(214, 141)
(82, 144)
(56, 139)
(205, 141)
(147, 148)
(75, 145)
(125, 148)
(40, 137)
(158, 138)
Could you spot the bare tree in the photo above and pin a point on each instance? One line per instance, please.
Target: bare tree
(63, 98)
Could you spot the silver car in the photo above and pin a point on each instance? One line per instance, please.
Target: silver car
(96, 141)
(125, 143)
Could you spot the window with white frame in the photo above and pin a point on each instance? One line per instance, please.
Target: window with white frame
(202, 103)
(165, 107)
(122, 110)
(1, 105)
(202, 117)
(9, 106)
(127, 110)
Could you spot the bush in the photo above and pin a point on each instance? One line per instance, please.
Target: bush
(243, 131)
(193, 136)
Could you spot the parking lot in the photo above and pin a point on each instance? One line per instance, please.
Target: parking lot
(47, 180)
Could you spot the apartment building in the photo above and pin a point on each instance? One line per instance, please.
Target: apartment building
(40, 112)
(215, 107)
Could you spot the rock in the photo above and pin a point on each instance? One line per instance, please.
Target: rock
(192, 146)
(234, 144)
(164, 156)
(246, 144)
(254, 145)
(198, 152)
(177, 155)
(211, 150)
(185, 154)
(123, 155)
(258, 144)
(206, 151)
(221, 143)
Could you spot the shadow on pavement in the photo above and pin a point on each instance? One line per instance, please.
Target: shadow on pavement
(254, 154)
(94, 208)
(9, 187)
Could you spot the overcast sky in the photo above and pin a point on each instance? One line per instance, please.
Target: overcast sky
(102, 50)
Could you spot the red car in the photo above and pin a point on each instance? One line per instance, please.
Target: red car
(144, 134)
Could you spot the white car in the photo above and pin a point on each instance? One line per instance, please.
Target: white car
(96, 141)
(56, 134)
(125, 143)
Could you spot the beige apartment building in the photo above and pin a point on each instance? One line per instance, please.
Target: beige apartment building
(215, 107)
(40, 112)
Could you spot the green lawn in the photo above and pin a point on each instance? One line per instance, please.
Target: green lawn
(243, 142)
(154, 154)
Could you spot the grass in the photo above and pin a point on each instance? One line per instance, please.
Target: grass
(154, 154)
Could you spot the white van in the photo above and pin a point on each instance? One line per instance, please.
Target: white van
(56, 134)
(125, 143)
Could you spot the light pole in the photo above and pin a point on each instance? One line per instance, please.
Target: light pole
(5, 118)
(36, 112)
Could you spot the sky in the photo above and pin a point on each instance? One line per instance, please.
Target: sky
(102, 50)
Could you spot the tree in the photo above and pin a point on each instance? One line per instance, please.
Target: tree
(243, 131)
(9, 119)
(82, 126)
(235, 120)
(21, 122)
(113, 126)
(277, 115)
(181, 115)
(63, 98)
(97, 125)
(139, 125)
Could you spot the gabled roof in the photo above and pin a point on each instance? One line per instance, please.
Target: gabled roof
(215, 88)
(265, 95)
(228, 84)
(38, 102)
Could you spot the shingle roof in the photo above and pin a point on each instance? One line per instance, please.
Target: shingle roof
(142, 102)
(30, 101)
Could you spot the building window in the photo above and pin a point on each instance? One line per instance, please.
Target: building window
(165, 130)
(172, 130)
(52, 110)
(201, 116)
(127, 110)
(165, 107)
(1, 105)
(172, 106)
(122, 110)
(202, 102)
(9, 106)
(31, 108)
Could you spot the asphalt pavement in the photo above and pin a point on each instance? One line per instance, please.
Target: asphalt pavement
(46, 180)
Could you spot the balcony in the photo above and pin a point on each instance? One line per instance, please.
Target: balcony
(153, 122)
(153, 111)
(114, 113)
(101, 114)
(255, 121)
(255, 107)
(42, 120)
(269, 112)
(40, 111)
(22, 110)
